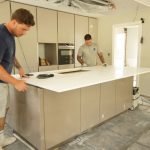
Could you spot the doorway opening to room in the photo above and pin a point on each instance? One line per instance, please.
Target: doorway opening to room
(127, 46)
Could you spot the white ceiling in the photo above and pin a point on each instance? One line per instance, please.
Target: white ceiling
(144, 2)
(125, 4)
(121, 6)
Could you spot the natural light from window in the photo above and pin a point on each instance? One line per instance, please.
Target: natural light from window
(119, 54)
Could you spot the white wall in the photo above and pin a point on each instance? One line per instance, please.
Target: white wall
(105, 37)
(105, 31)
(132, 47)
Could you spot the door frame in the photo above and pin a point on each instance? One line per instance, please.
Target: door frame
(128, 25)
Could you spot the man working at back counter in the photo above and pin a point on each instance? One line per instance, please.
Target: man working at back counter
(88, 52)
(21, 21)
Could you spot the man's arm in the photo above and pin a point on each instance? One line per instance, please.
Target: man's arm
(4, 76)
(101, 57)
(18, 84)
(17, 64)
(80, 60)
(19, 67)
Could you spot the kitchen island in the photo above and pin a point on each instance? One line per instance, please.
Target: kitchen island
(58, 108)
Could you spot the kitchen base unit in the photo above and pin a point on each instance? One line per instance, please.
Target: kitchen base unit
(58, 108)
(45, 118)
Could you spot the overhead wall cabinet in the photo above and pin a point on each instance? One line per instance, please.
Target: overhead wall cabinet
(26, 46)
(47, 25)
(65, 27)
(5, 12)
(81, 28)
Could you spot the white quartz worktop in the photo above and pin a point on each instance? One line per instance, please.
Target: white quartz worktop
(94, 75)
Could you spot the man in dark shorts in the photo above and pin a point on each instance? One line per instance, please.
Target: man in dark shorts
(21, 21)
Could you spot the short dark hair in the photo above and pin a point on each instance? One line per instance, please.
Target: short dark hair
(87, 37)
(23, 16)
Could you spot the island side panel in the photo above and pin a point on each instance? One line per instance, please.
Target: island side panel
(26, 115)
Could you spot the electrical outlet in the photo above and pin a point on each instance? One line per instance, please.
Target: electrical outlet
(108, 54)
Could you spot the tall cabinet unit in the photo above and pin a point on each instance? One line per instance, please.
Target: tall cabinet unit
(81, 28)
(26, 46)
(65, 27)
(93, 29)
(47, 25)
(47, 38)
(65, 34)
(5, 11)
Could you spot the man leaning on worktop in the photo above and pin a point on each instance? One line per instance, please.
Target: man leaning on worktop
(88, 52)
(21, 21)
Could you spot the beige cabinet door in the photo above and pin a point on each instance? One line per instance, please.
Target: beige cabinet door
(5, 12)
(90, 98)
(47, 25)
(26, 115)
(93, 29)
(65, 27)
(26, 46)
(81, 28)
(124, 94)
(144, 80)
(107, 100)
(62, 116)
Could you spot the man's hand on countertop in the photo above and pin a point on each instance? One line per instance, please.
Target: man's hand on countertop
(104, 65)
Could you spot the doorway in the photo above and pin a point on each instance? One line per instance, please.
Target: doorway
(126, 46)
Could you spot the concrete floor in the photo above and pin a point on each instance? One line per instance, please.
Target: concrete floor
(128, 131)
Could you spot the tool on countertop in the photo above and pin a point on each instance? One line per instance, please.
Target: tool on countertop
(45, 76)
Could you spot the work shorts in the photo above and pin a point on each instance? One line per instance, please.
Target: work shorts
(3, 99)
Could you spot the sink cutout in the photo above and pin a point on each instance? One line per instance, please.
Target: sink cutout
(72, 71)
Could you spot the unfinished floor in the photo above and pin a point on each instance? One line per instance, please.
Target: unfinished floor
(127, 131)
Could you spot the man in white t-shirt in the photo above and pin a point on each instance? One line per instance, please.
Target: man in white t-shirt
(88, 52)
